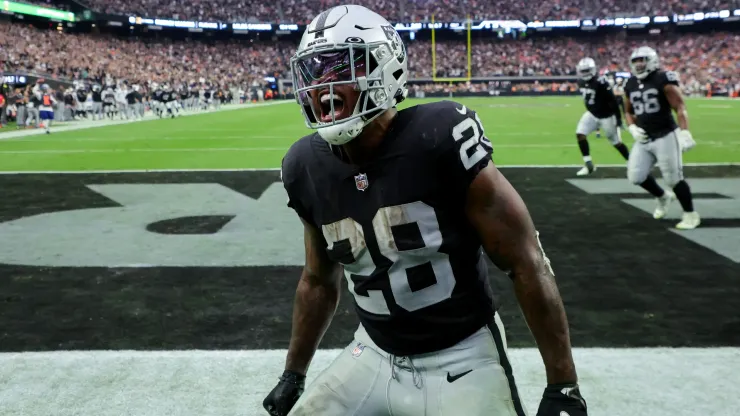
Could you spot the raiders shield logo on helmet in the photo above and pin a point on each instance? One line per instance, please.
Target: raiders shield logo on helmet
(361, 181)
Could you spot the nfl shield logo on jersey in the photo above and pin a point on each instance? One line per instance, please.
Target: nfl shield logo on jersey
(358, 349)
(361, 181)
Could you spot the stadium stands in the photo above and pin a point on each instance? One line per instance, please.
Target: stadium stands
(302, 11)
(699, 58)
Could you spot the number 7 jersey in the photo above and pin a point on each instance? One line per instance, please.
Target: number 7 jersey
(412, 261)
(649, 103)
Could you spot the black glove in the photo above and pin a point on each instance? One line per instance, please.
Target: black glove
(282, 398)
(562, 400)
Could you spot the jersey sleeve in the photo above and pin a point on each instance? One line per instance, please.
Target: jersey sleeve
(291, 176)
(465, 149)
(669, 78)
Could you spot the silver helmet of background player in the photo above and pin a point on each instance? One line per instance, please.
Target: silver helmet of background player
(348, 45)
(586, 68)
(643, 61)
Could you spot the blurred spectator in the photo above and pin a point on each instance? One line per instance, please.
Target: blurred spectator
(302, 11)
(700, 59)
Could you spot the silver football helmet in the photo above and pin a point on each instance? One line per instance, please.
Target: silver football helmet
(644, 60)
(355, 47)
(586, 68)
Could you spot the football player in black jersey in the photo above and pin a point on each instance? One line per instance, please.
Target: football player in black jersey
(651, 96)
(406, 204)
(602, 112)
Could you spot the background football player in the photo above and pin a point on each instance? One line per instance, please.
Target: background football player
(650, 95)
(404, 202)
(602, 112)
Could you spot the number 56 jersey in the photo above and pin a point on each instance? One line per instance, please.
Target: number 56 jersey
(412, 261)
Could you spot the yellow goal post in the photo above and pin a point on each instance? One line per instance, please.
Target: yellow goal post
(468, 24)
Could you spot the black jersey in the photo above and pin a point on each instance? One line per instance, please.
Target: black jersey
(652, 111)
(157, 95)
(412, 260)
(598, 97)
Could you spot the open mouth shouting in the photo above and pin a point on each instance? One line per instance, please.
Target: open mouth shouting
(326, 101)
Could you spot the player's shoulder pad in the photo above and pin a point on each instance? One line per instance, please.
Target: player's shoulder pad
(668, 77)
(457, 129)
(294, 162)
(443, 116)
(631, 83)
(604, 82)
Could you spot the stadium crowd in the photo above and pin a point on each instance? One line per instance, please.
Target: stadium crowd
(302, 11)
(700, 58)
(86, 56)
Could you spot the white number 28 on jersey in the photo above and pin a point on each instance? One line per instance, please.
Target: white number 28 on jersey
(424, 217)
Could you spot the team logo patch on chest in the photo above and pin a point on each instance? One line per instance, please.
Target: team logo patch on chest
(361, 181)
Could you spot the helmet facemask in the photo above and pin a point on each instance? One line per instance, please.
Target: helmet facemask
(323, 74)
(639, 65)
(644, 61)
(586, 69)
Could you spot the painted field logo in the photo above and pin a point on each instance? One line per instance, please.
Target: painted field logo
(722, 240)
(254, 232)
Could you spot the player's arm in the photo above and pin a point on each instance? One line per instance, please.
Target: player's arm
(509, 238)
(314, 305)
(677, 103)
(315, 301)
(629, 113)
(637, 132)
(613, 100)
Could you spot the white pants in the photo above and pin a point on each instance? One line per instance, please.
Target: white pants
(589, 123)
(665, 152)
(471, 378)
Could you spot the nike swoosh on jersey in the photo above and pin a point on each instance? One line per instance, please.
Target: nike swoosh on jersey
(451, 378)
(462, 110)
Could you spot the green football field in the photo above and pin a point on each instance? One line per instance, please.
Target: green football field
(524, 131)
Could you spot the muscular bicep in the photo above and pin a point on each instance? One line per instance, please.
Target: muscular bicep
(674, 97)
(319, 268)
(627, 105)
(504, 225)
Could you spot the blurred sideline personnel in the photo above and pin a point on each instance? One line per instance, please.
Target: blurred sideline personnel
(650, 94)
(602, 112)
(46, 106)
(405, 202)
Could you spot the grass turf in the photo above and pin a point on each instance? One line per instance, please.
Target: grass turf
(524, 131)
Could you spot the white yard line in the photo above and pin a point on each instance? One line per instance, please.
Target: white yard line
(568, 166)
(166, 137)
(271, 149)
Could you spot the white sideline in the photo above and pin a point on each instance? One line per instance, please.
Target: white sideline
(90, 124)
(24, 172)
(615, 382)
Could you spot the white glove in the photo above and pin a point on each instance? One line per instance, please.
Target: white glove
(638, 133)
(685, 140)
